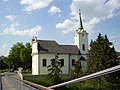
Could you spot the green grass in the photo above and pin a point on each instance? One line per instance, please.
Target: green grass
(41, 80)
(27, 73)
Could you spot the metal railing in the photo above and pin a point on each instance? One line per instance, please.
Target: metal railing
(26, 85)
(97, 74)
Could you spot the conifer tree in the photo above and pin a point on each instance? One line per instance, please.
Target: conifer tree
(102, 55)
(55, 70)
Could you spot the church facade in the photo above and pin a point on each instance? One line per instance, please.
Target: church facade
(45, 50)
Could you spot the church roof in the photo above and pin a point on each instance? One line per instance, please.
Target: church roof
(51, 46)
(72, 49)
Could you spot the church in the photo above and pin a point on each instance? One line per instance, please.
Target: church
(45, 50)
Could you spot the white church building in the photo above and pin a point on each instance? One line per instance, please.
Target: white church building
(45, 50)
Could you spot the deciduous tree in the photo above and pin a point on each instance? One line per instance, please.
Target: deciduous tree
(19, 56)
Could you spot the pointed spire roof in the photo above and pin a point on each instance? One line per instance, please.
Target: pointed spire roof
(81, 25)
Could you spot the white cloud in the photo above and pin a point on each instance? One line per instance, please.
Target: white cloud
(11, 17)
(27, 32)
(93, 12)
(35, 4)
(54, 10)
(4, 46)
(66, 26)
(4, 49)
(116, 40)
(90, 24)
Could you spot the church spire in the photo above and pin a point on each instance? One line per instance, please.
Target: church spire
(81, 25)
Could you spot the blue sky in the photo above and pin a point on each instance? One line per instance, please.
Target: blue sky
(20, 20)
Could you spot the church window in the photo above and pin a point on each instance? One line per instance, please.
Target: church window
(82, 58)
(83, 47)
(62, 62)
(73, 62)
(44, 63)
(83, 35)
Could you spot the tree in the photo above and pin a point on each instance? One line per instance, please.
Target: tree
(15, 54)
(102, 55)
(3, 65)
(77, 71)
(55, 70)
(25, 56)
(29, 57)
(19, 56)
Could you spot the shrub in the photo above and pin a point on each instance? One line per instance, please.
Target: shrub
(42, 81)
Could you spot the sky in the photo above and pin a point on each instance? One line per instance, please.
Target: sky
(57, 20)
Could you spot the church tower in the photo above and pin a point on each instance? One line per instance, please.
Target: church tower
(81, 40)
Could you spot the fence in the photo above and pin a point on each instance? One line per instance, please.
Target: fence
(101, 73)
(24, 85)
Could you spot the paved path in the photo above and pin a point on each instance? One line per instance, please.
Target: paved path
(6, 85)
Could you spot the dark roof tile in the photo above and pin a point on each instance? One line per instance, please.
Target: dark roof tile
(49, 46)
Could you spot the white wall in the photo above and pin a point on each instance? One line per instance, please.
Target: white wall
(84, 63)
(84, 40)
(76, 57)
(35, 61)
(34, 47)
(35, 69)
(65, 68)
(48, 57)
(79, 40)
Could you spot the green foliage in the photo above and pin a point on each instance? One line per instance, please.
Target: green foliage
(19, 56)
(3, 65)
(118, 53)
(91, 84)
(77, 71)
(102, 55)
(41, 80)
(25, 56)
(54, 70)
(74, 86)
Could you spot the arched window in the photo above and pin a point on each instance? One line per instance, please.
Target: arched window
(82, 58)
(83, 47)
